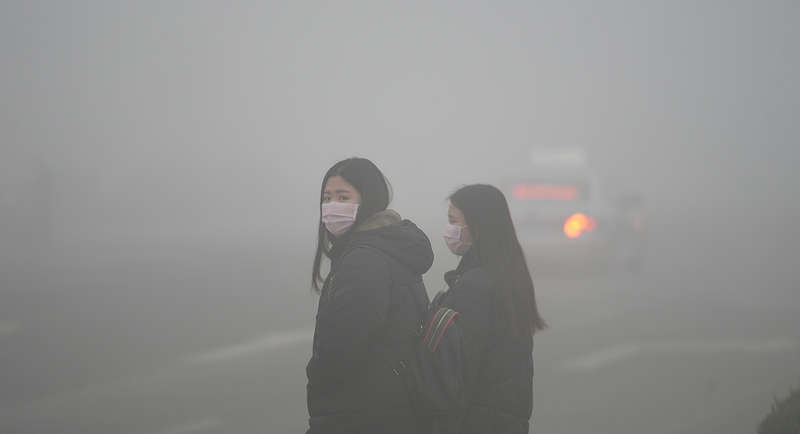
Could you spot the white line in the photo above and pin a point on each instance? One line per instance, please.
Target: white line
(191, 427)
(606, 356)
(265, 343)
(617, 353)
(166, 372)
(773, 345)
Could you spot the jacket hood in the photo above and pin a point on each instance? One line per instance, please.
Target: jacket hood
(398, 238)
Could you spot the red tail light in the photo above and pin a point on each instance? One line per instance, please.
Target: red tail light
(545, 191)
(577, 224)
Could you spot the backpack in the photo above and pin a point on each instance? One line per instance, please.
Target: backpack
(433, 371)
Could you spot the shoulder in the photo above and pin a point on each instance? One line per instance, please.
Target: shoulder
(472, 288)
(476, 279)
(363, 259)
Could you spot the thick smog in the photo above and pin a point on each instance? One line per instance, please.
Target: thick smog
(160, 200)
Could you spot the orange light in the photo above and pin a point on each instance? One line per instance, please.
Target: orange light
(638, 224)
(577, 223)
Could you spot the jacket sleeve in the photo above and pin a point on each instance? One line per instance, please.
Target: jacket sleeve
(357, 309)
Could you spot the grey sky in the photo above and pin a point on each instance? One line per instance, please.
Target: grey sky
(231, 113)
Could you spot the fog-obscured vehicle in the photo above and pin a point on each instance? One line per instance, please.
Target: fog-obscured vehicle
(564, 219)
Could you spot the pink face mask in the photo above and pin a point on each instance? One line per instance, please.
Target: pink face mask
(338, 217)
(452, 237)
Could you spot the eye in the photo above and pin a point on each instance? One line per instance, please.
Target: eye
(326, 199)
(344, 198)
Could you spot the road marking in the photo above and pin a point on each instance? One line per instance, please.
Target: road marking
(192, 427)
(774, 345)
(618, 353)
(271, 341)
(265, 343)
(8, 328)
(606, 356)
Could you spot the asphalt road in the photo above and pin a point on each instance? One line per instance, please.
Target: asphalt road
(193, 343)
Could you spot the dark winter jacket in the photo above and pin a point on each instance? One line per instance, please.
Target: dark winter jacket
(366, 319)
(499, 363)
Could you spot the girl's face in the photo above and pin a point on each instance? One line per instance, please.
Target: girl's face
(456, 217)
(339, 190)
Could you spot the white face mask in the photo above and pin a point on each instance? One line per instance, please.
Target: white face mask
(452, 237)
(338, 217)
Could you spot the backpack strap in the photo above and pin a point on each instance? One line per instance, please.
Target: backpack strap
(438, 325)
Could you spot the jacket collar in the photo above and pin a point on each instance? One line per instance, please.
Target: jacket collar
(468, 262)
(379, 220)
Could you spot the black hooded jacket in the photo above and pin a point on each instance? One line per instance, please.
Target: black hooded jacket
(498, 362)
(366, 318)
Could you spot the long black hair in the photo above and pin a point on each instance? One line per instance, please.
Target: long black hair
(496, 247)
(375, 193)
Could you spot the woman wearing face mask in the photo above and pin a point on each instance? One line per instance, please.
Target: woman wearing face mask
(366, 307)
(493, 291)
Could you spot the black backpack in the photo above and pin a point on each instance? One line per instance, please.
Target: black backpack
(434, 370)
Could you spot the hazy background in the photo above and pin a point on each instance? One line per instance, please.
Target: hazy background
(160, 166)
